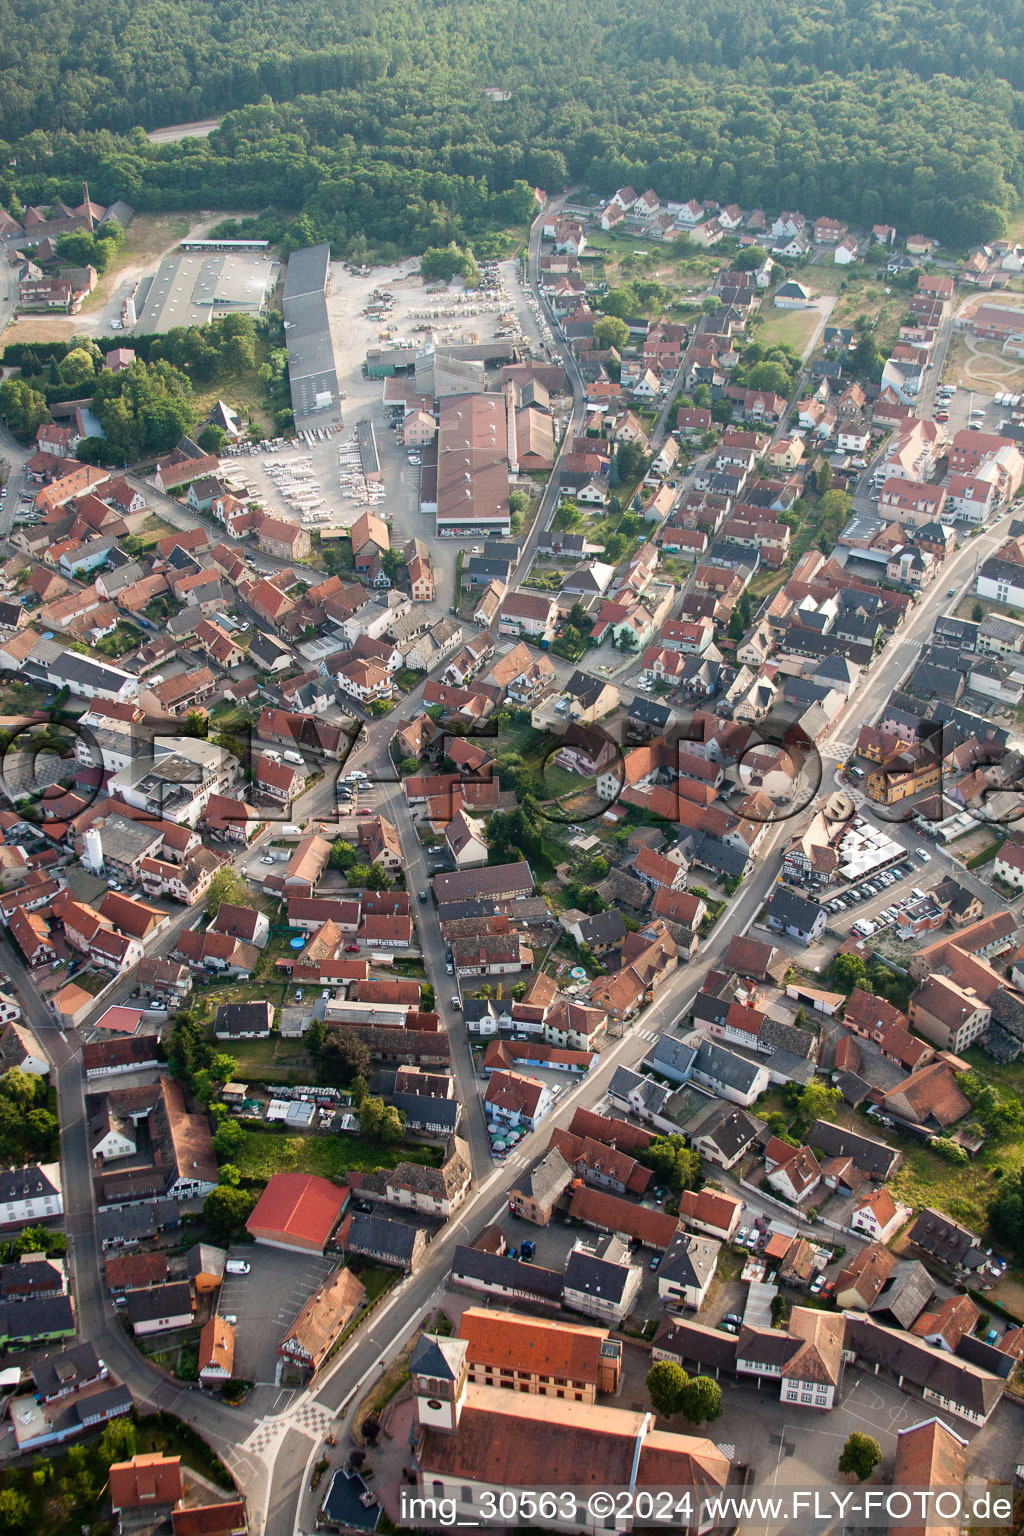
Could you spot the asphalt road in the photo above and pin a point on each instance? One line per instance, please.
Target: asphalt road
(549, 500)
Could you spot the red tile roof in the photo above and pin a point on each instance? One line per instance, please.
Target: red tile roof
(510, 1341)
(297, 1208)
(145, 1481)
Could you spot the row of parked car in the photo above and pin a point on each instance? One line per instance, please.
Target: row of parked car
(876, 885)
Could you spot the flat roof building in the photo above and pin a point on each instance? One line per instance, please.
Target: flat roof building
(312, 374)
(193, 289)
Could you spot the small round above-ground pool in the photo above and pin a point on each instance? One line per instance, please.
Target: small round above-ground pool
(296, 943)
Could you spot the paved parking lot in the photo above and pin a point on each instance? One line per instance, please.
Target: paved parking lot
(919, 875)
(266, 1302)
(555, 1243)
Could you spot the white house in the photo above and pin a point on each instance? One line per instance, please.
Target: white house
(791, 295)
(1001, 582)
(812, 1375)
(465, 838)
(797, 1177)
(30, 1194)
(18, 1046)
(116, 1138)
(160, 1308)
(787, 225)
(516, 1100)
(853, 438)
(688, 1269)
(711, 1211)
(729, 1076)
(878, 1216)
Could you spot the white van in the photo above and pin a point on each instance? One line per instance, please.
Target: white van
(295, 758)
(236, 1267)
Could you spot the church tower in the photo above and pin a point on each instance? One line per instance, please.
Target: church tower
(438, 1371)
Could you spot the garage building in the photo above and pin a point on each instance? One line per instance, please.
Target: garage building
(298, 1211)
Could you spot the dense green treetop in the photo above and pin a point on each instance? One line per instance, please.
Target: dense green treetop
(356, 122)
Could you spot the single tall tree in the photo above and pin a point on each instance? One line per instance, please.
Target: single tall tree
(860, 1455)
(666, 1387)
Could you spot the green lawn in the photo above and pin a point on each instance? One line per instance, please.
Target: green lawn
(264, 1153)
(377, 1278)
(273, 990)
(963, 1191)
(229, 717)
(271, 1052)
(791, 327)
(533, 746)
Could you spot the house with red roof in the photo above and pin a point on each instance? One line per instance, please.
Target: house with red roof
(879, 1216)
(711, 1211)
(516, 1100)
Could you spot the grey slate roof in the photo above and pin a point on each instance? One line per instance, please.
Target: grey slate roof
(871, 1157)
(28, 1183)
(38, 1274)
(205, 1259)
(786, 1037)
(688, 1341)
(42, 1317)
(624, 1082)
(690, 1258)
(729, 1127)
(793, 911)
(423, 1109)
(718, 856)
(599, 1270)
(153, 1301)
(946, 1240)
(267, 649)
(987, 1356)
(765, 1347)
(547, 1180)
(904, 1295)
(917, 1362)
(671, 1055)
(496, 1271)
(724, 1066)
(131, 1223)
(437, 1356)
(65, 1369)
(604, 927)
(380, 1235)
